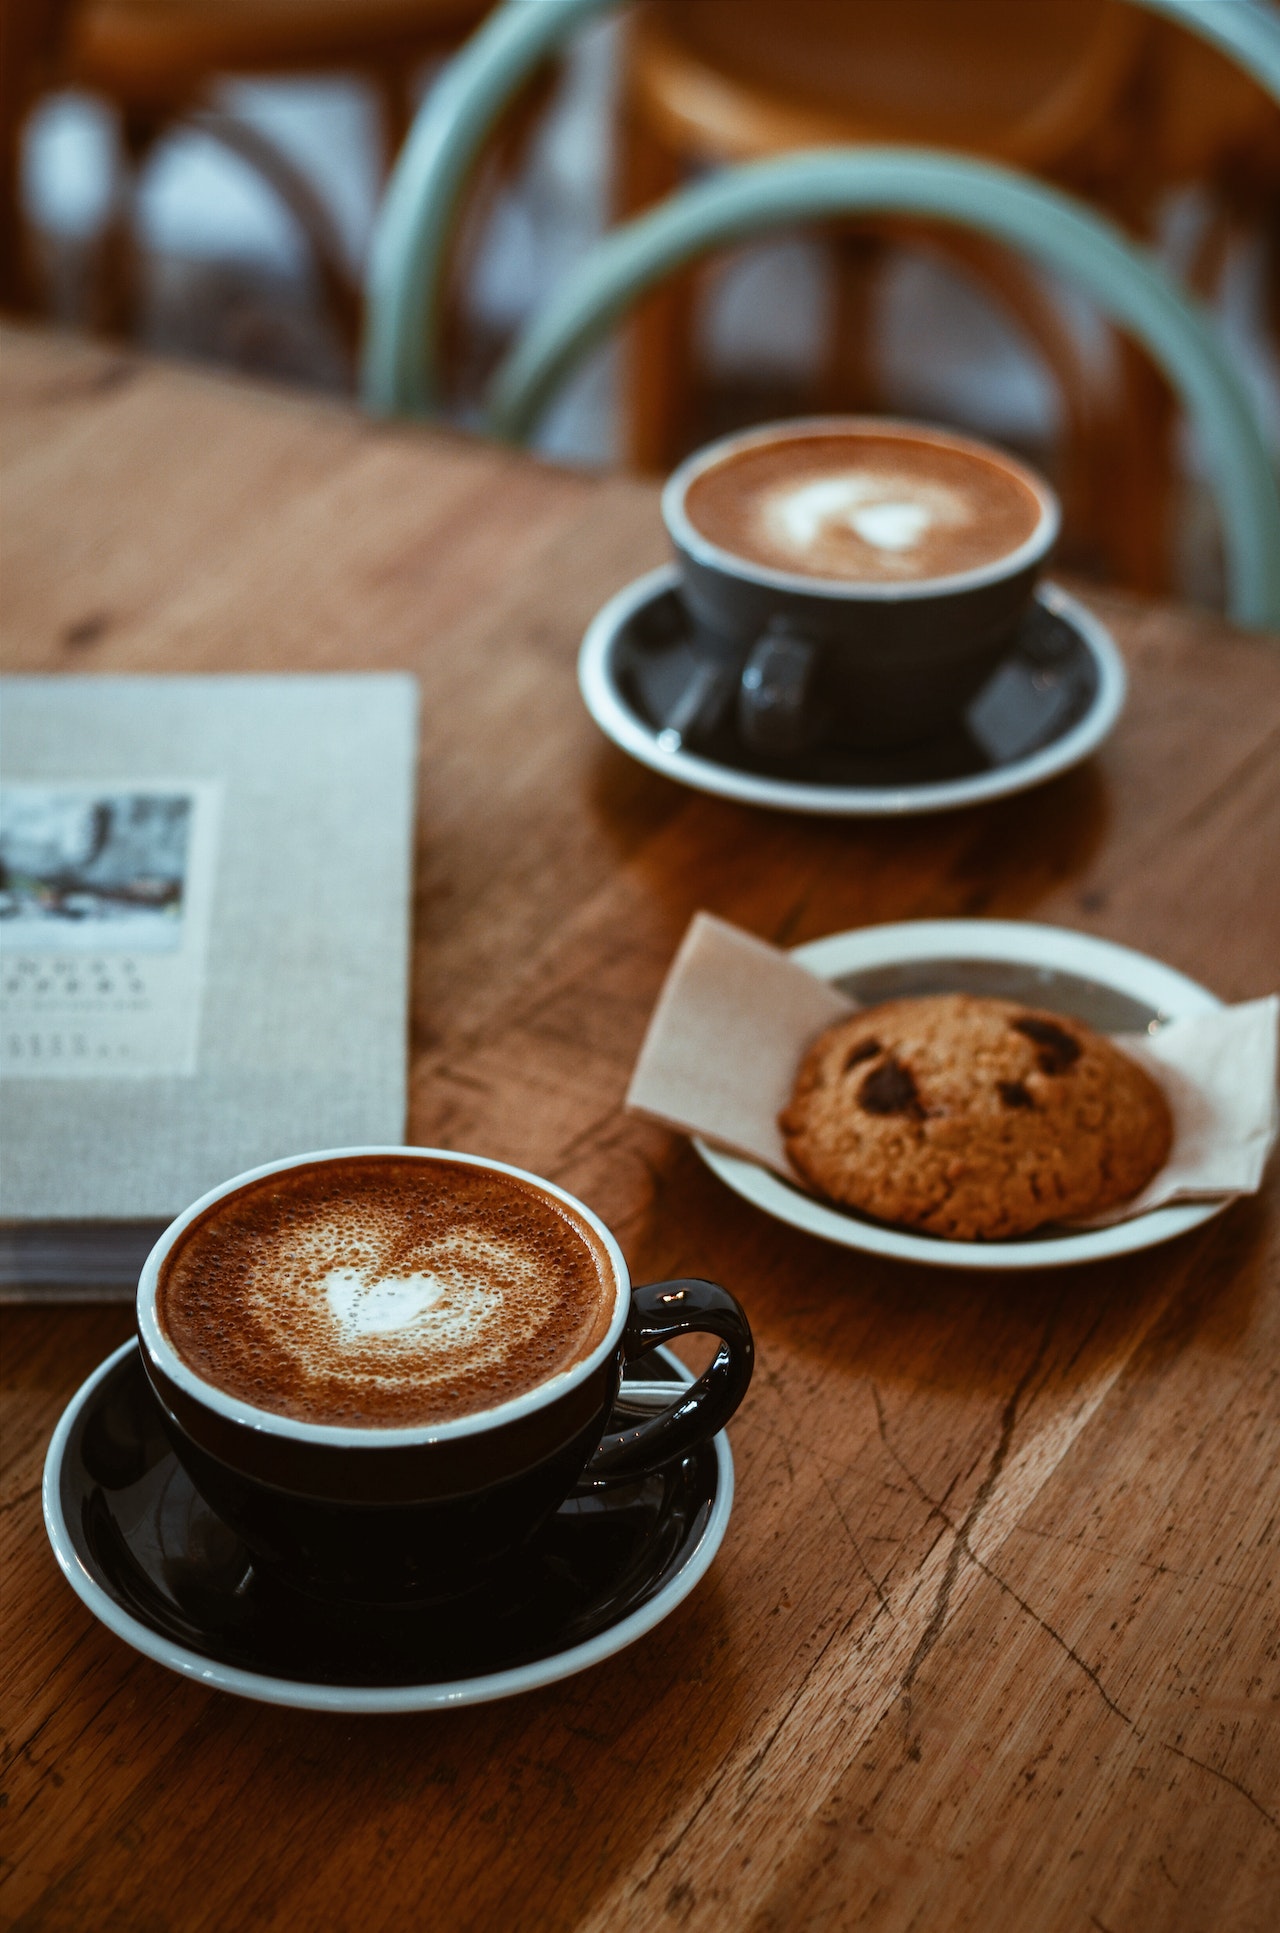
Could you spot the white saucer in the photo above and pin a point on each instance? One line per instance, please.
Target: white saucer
(87, 1517)
(1111, 987)
(608, 636)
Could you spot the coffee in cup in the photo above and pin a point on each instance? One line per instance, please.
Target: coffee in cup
(854, 579)
(865, 508)
(379, 1292)
(384, 1368)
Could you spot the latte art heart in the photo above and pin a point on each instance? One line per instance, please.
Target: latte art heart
(892, 526)
(421, 1308)
(889, 513)
(361, 1307)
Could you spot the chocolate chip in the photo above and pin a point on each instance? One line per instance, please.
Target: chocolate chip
(1059, 1049)
(1014, 1094)
(866, 1050)
(889, 1089)
(86, 630)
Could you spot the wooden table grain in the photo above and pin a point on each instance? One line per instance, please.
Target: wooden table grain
(992, 1640)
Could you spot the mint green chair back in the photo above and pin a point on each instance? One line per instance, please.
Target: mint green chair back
(1131, 289)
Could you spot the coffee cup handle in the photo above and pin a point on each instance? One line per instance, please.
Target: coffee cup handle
(660, 1311)
(773, 695)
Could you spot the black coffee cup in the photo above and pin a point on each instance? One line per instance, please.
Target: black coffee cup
(807, 659)
(394, 1514)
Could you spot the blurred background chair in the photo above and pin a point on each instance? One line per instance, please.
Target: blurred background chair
(1094, 95)
(738, 80)
(1107, 98)
(157, 62)
(825, 183)
(401, 369)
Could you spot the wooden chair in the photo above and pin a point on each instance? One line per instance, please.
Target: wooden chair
(737, 80)
(156, 60)
(1094, 95)
(401, 371)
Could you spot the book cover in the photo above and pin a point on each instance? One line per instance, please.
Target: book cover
(204, 947)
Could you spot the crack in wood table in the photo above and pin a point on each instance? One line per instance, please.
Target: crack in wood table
(992, 1639)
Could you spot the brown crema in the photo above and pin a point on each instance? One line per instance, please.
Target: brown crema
(381, 1291)
(863, 507)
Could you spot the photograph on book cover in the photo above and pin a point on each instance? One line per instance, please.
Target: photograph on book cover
(105, 897)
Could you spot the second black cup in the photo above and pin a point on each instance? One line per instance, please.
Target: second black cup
(853, 580)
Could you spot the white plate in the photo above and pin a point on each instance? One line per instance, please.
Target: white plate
(1046, 966)
(306, 1696)
(631, 734)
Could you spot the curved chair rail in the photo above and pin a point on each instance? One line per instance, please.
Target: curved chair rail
(1244, 30)
(415, 223)
(414, 228)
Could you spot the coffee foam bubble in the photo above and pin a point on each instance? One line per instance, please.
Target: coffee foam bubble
(445, 1290)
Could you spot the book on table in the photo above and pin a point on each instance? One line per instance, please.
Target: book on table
(204, 948)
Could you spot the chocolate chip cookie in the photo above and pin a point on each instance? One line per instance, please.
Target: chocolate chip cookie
(973, 1119)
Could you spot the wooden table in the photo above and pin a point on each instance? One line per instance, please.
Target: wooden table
(992, 1639)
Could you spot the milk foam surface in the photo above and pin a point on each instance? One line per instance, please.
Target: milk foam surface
(385, 1291)
(863, 506)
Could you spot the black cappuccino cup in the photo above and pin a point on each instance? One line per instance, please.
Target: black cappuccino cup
(852, 580)
(375, 1507)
